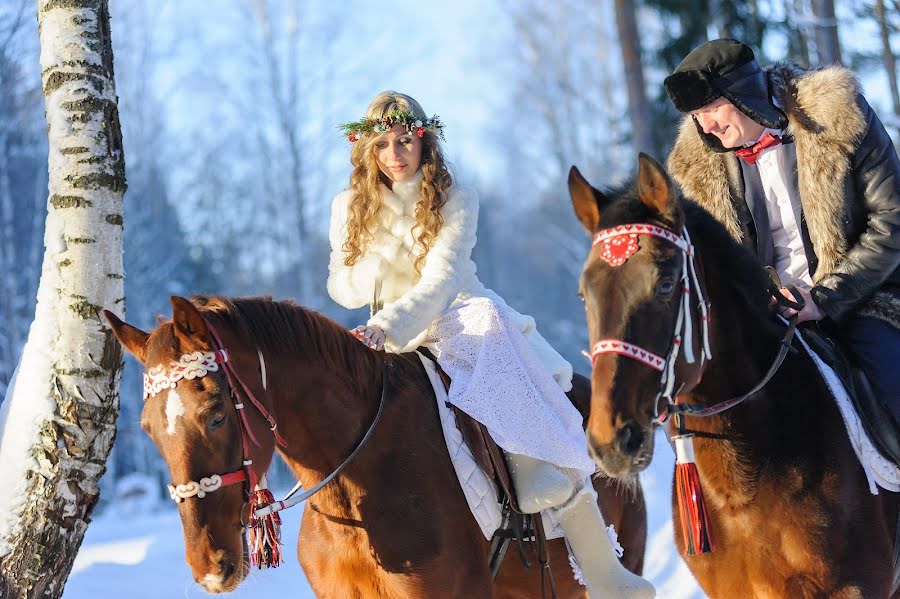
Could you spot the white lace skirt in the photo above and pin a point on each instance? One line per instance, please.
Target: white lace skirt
(498, 379)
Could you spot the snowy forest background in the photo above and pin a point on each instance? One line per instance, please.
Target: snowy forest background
(229, 113)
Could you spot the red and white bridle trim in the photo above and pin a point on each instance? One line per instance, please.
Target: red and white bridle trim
(206, 485)
(623, 348)
(617, 244)
(611, 238)
(197, 365)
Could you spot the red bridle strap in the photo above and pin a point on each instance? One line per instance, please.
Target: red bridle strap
(237, 382)
(623, 348)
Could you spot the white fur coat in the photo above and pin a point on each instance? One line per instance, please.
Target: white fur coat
(411, 301)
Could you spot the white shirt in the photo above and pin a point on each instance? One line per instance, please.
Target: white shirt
(783, 210)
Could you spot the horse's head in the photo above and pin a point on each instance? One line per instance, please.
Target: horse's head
(632, 290)
(194, 423)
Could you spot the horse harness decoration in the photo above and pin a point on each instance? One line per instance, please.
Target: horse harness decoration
(264, 522)
(616, 245)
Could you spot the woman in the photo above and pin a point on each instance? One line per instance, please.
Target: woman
(404, 224)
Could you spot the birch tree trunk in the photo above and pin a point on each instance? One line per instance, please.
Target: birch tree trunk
(58, 421)
(638, 107)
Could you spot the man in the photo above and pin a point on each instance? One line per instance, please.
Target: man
(798, 167)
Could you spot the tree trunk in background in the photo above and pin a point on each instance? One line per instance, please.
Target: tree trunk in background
(887, 56)
(828, 47)
(69, 373)
(283, 74)
(798, 44)
(639, 110)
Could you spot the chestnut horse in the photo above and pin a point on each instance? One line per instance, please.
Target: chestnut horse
(395, 522)
(787, 499)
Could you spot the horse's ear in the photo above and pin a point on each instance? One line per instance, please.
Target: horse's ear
(586, 200)
(132, 338)
(189, 323)
(653, 185)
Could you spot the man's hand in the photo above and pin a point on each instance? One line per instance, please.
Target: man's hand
(809, 312)
(372, 336)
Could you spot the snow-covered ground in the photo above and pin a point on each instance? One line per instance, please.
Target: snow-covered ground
(142, 556)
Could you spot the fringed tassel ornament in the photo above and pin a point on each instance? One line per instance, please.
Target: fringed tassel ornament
(695, 524)
(265, 532)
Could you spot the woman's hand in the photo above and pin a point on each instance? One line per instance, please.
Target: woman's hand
(372, 336)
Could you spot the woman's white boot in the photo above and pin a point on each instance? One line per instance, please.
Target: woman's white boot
(539, 485)
(603, 573)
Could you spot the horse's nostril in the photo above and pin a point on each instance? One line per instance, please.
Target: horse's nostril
(226, 566)
(631, 438)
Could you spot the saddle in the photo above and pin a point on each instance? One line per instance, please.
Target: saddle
(875, 417)
(516, 525)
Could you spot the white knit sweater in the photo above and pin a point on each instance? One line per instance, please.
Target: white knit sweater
(411, 301)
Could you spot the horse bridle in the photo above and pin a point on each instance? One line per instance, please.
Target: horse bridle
(617, 244)
(199, 364)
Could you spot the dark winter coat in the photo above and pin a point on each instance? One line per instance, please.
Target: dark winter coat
(848, 180)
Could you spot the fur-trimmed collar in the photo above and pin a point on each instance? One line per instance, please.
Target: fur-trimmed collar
(827, 126)
(403, 196)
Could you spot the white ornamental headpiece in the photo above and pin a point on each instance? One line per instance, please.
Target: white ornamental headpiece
(190, 366)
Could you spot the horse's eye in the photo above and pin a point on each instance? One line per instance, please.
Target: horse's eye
(217, 420)
(581, 297)
(665, 288)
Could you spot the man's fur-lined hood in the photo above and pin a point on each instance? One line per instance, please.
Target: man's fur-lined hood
(827, 125)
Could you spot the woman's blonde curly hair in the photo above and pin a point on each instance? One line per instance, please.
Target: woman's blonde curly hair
(366, 178)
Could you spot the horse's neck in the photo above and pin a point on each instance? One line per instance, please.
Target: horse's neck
(744, 346)
(324, 405)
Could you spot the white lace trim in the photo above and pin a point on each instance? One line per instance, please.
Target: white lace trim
(500, 381)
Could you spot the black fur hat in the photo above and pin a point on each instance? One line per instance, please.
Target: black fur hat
(718, 68)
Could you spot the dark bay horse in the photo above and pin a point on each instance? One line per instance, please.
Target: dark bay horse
(788, 501)
(395, 522)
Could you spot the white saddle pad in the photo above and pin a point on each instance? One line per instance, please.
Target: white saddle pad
(480, 491)
(880, 471)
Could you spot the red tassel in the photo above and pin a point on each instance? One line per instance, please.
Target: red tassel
(696, 528)
(265, 532)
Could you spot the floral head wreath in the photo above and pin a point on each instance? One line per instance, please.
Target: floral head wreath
(411, 122)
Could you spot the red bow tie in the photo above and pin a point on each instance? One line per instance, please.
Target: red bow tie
(751, 155)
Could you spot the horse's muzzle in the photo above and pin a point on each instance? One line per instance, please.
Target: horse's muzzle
(628, 453)
(226, 572)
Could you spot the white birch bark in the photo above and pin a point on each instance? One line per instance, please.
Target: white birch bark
(58, 421)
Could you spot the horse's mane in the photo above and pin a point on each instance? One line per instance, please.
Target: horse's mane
(733, 263)
(283, 326)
